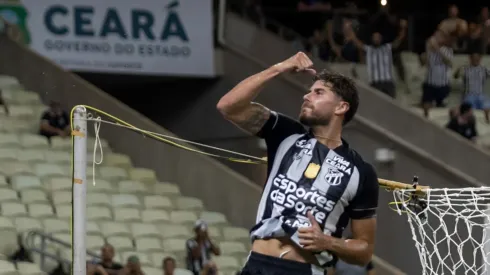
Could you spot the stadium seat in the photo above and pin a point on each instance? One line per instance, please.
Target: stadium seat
(44, 170)
(13, 209)
(152, 270)
(31, 141)
(53, 225)
(93, 229)
(61, 197)
(101, 186)
(155, 216)
(121, 244)
(175, 246)
(118, 160)
(15, 168)
(143, 174)
(111, 228)
(33, 196)
(127, 215)
(3, 181)
(9, 140)
(98, 199)
(57, 157)
(8, 241)
(9, 154)
(21, 111)
(26, 268)
(169, 231)
(226, 264)
(183, 217)
(157, 202)
(58, 184)
(163, 188)
(98, 213)
(63, 211)
(233, 249)
(94, 242)
(24, 224)
(125, 200)
(236, 234)
(32, 156)
(148, 244)
(180, 271)
(213, 218)
(132, 187)
(37, 210)
(215, 233)
(189, 203)
(23, 98)
(8, 82)
(7, 195)
(22, 182)
(113, 174)
(7, 268)
(144, 230)
(59, 143)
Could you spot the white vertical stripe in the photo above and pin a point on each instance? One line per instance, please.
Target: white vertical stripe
(281, 151)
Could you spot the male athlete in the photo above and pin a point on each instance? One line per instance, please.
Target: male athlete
(316, 183)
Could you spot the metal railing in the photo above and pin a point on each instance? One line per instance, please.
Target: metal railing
(33, 246)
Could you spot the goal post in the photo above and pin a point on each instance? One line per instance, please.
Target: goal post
(79, 164)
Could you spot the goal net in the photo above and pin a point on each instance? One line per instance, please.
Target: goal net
(450, 227)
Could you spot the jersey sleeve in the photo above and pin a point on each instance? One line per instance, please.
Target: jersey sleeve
(278, 128)
(365, 202)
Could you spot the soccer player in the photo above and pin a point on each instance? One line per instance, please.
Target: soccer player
(316, 182)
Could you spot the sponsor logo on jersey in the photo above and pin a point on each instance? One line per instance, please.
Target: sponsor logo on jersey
(287, 194)
(340, 164)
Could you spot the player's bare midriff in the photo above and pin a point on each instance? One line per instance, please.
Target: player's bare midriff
(277, 247)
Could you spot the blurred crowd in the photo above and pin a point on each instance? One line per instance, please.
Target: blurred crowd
(346, 33)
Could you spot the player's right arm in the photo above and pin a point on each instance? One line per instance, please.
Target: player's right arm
(237, 105)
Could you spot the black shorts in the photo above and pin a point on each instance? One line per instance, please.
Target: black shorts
(259, 264)
(387, 87)
(434, 93)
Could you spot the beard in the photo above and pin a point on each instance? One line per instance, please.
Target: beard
(311, 120)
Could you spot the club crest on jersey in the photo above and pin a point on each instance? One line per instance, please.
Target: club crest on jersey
(333, 177)
(312, 170)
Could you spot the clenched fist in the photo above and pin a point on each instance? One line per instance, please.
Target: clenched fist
(299, 62)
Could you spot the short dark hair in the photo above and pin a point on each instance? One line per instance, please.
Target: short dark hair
(464, 108)
(168, 259)
(344, 87)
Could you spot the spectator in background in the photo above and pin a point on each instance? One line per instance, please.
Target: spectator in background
(436, 86)
(55, 121)
(107, 257)
(199, 250)
(379, 59)
(463, 122)
(474, 78)
(484, 26)
(133, 267)
(168, 266)
(95, 269)
(314, 5)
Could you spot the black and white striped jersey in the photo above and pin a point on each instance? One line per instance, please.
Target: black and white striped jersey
(303, 176)
(474, 78)
(379, 63)
(437, 70)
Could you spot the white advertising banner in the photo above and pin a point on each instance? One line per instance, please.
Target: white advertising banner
(151, 37)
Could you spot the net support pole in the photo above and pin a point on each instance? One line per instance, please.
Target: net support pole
(79, 134)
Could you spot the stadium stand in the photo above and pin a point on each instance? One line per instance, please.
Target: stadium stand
(125, 208)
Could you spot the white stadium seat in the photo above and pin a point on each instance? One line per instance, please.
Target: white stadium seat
(189, 203)
(33, 196)
(23, 182)
(37, 210)
(127, 215)
(155, 216)
(111, 228)
(157, 202)
(164, 188)
(8, 195)
(113, 173)
(143, 174)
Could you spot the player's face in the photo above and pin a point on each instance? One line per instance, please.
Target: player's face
(377, 38)
(320, 104)
(475, 59)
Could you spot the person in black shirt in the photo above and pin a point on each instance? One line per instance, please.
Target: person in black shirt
(107, 263)
(55, 122)
(316, 183)
(463, 123)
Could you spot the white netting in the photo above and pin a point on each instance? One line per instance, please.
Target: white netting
(451, 229)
